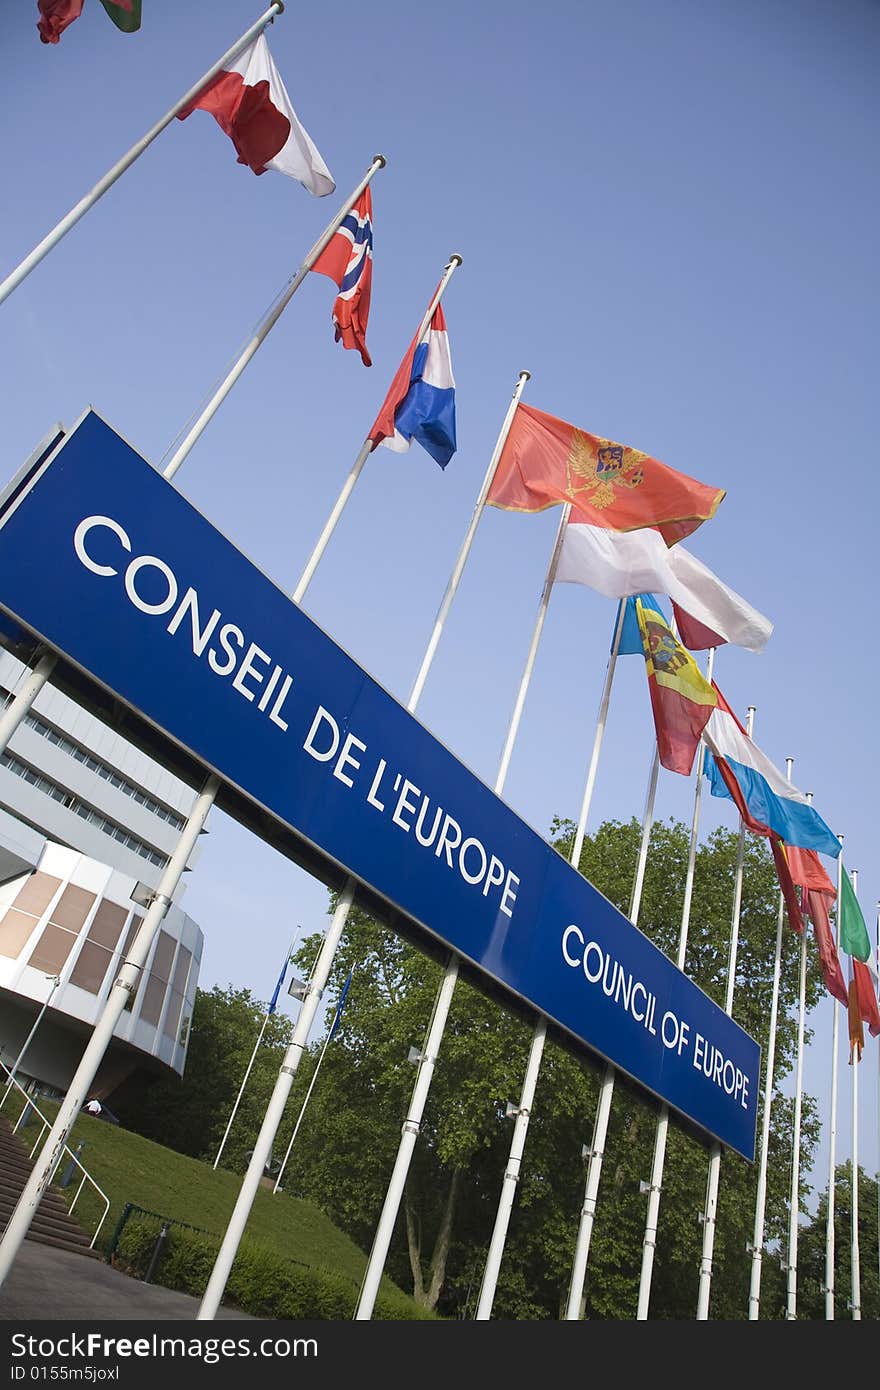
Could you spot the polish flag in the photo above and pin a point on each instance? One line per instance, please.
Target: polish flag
(250, 102)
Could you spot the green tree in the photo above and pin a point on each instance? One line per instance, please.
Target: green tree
(811, 1249)
(345, 1147)
(191, 1114)
(345, 1150)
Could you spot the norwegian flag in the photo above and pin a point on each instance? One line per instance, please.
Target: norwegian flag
(348, 259)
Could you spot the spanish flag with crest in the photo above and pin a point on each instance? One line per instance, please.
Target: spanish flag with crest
(681, 697)
(546, 461)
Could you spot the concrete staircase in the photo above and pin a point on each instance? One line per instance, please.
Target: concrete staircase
(51, 1224)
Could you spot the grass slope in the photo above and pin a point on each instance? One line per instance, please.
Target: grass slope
(132, 1169)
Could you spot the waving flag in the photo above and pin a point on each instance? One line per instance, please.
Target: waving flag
(622, 563)
(630, 643)
(681, 698)
(420, 403)
(817, 895)
(768, 804)
(817, 907)
(273, 1002)
(55, 15)
(126, 14)
(343, 995)
(863, 1001)
(853, 932)
(546, 461)
(348, 259)
(250, 102)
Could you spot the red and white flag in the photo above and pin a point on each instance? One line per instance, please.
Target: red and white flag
(250, 102)
(348, 259)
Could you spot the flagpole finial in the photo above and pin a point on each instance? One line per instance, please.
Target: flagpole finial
(455, 257)
(379, 159)
(279, 5)
(524, 375)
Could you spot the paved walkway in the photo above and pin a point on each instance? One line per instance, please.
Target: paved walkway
(46, 1284)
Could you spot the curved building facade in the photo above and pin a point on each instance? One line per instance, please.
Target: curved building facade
(87, 823)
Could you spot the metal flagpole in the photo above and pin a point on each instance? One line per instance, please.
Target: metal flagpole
(56, 981)
(650, 1237)
(123, 989)
(536, 1051)
(832, 1130)
(324, 960)
(14, 279)
(710, 1212)
(855, 1267)
(761, 1193)
(606, 1094)
(268, 1014)
(425, 1070)
(267, 323)
(19, 1222)
(244, 1080)
(366, 450)
(302, 1110)
(795, 1198)
(126, 983)
(19, 707)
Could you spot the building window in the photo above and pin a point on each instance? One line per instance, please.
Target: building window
(83, 810)
(76, 750)
(96, 954)
(157, 984)
(56, 943)
(178, 988)
(31, 901)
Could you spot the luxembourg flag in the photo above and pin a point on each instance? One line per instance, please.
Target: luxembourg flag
(421, 400)
(766, 801)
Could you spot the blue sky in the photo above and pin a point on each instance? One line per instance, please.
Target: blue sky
(667, 214)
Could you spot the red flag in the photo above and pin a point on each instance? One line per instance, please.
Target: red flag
(545, 461)
(696, 636)
(867, 998)
(348, 259)
(817, 907)
(808, 872)
(55, 15)
(789, 893)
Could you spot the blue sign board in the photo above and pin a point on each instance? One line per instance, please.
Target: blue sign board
(107, 562)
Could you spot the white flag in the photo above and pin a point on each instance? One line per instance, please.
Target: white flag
(621, 563)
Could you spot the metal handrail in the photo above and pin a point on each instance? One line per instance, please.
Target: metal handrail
(86, 1176)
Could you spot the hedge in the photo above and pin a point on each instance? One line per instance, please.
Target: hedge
(260, 1282)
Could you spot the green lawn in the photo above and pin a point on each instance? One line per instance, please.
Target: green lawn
(132, 1169)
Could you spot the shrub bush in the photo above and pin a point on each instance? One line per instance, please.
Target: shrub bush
(260, 1282)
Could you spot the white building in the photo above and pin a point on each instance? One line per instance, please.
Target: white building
(87, 823)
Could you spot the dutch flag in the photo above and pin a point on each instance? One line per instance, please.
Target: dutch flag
(420, 404)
